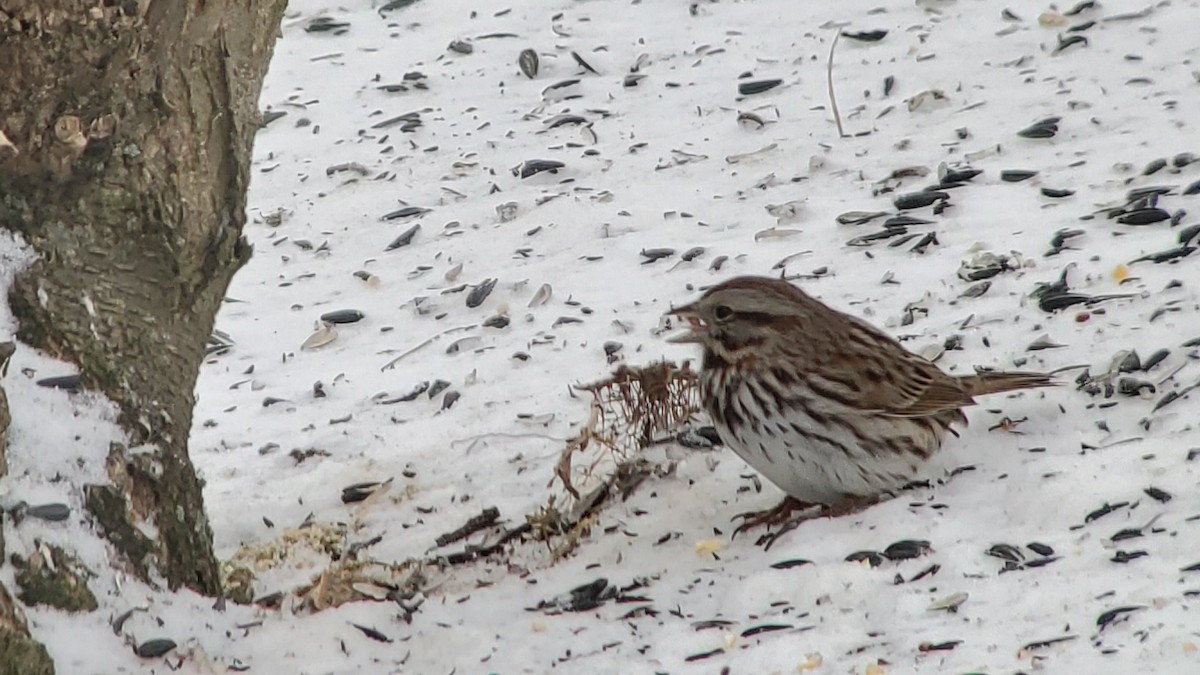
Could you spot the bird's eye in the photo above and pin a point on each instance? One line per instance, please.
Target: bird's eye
(722, 313)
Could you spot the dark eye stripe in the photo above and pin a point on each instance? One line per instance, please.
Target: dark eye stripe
(756, 317)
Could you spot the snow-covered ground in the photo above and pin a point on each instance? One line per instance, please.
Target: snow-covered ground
(1102, 487)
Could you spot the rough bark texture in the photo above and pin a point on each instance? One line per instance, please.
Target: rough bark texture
(4, 422)
(124, 161)
(19, 654)
(6, 352)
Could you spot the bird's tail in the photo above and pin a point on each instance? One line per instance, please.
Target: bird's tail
(983, 384)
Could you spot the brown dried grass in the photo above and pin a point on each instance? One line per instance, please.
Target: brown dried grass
(630, 410)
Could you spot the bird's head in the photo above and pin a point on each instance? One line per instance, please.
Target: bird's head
(744, 316)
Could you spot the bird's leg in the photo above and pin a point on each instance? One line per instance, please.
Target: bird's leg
(849, 505)
(781, 514)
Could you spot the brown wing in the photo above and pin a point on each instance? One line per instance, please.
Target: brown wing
(891, 380)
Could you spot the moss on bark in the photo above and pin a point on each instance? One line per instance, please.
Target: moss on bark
(54, 578)
(19, 653)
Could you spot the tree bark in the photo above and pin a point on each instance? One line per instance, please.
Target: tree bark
(127, 129)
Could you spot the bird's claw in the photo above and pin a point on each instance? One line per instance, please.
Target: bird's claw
(781, 515)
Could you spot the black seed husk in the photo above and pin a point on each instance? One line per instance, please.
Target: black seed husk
(789, 564)
(586, 66)
(765, 628)
(410, 396)
(904, 220)
(1167, 255)
(437, 387)
(1006, 552)
(859, 217)
(50, 512)
(929, 239)
(896, 243)
(1065, 42)
(1144, 216)
(1057, 193)
(352, 494)
(1046, 128)
(1080, 8)
(1112, 615)
(270, 116)
(1188, 233)
(868, 239)
(1016, 175)
(343, 316)
(405, 238)
(907, 549)
(154, 648)
(372, 633)
(1040, 548)
(1104, 511)
(327, 24)
(392, 121)
(1154, 167)
(1155, 359)
(406, 212)
(960, 175)
(757, 86)
(1130, 363)
(528, 62)
(1158, 495)
(560, 120)
(865, 35)
(67, 382)
(480, 293)
(1042, 644)
(653, 254)
(916, 200)
(532, 167)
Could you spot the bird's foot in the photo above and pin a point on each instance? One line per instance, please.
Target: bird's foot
(790, 512)
(781, 515)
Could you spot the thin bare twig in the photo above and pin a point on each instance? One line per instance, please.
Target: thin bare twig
(829, 77)
(392, 364)
(484, 520)
(474, 440)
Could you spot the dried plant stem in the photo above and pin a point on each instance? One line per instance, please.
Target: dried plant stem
(829, 78)
(392, 364)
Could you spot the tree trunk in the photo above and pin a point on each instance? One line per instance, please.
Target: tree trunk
(127, 130)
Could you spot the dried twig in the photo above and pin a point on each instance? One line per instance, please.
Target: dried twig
(476, 523)
(829, 77)
(472, 552)
(392, 364)
(473, 441)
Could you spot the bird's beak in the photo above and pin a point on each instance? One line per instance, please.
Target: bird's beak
(696, 328)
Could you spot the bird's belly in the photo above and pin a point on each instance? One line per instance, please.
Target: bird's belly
(829, 457)
(818, 471)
